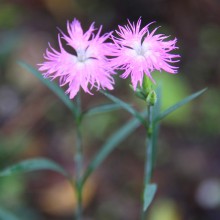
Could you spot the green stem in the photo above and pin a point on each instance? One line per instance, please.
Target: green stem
(149, 153)
(149, 146)
(78, 161)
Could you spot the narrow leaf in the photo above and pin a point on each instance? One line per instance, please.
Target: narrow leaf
(52, 86)
(102, 109)
(125, 106)
(6, 215)
(168, 111)
(111, 143)
(149, 193)
(33, 165)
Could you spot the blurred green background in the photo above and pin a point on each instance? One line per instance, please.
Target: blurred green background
(33, 122)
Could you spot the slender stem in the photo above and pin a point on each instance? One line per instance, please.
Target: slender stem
(149, 153)
(78, 158)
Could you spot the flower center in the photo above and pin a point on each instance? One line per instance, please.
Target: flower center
(140, 51)
(143, 49)
(81, 55)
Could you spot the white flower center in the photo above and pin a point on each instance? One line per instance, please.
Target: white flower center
(142, 49)
(81, 56)
(139, 50)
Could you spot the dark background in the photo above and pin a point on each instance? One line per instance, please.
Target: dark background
(33, 122)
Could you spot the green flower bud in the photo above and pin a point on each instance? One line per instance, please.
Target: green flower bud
(151, 98)
(139, 93)
(146, 85)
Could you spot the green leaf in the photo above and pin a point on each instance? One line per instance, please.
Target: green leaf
(33, 165)
(111, 143)
(52, 86)
(125, 106)
(6, 215)
(102, 109)
(149, 193)
(168, 111)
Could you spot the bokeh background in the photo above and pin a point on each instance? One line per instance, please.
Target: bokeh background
(33, 122)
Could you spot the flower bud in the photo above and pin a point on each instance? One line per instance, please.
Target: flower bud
(138, 92)
(151, 98)
(147, 84)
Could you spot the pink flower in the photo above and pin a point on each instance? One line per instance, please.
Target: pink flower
(140, 52)
(89, 67)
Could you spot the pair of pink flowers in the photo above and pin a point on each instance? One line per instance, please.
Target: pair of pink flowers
(135, 51)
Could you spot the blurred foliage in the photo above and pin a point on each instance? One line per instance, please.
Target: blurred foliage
(105, 123)
(174, 89)
(10, 15)
(11, 147)
(9, 40)
(210, 112)
(12, 189)
(209, 39)
(165, 209)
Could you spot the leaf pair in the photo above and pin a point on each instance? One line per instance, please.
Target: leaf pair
(159, 115)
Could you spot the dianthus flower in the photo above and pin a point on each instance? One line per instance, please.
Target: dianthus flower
(88, 67)
(140, 52)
